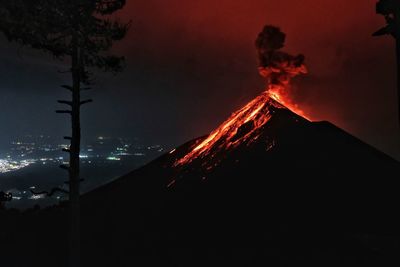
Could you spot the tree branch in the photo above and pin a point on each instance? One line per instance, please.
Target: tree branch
(65, 102)
(86, 101)
(68, 87)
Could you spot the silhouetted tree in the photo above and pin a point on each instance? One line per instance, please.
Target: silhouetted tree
(390, 9)
(78, 31)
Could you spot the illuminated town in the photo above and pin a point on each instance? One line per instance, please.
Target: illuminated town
(102, 159)
(7, 165)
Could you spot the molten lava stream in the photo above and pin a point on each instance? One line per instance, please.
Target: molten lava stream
(277, 93)
(225, 136)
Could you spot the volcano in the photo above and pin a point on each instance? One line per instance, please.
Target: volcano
(267, 187)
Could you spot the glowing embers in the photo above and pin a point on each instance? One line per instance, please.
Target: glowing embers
(279, 94)
(241, 127)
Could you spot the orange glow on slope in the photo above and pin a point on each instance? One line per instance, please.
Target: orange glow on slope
(230, 133)
(278, 94)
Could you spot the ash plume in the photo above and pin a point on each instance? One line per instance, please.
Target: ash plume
(276, 66)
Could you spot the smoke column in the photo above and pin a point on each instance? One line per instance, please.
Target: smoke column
(278, 67)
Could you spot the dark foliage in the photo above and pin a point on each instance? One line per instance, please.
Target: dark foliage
(51, 25)
(390, 9)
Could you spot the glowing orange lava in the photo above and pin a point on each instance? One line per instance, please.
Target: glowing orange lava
(231, 133)
(278, 94)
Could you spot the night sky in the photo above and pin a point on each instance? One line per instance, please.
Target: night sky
(191, 63)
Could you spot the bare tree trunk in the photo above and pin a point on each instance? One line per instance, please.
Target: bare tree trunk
(397, 21)
(74, 177)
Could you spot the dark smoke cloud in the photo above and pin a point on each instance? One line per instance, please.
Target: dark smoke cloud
(276, 66)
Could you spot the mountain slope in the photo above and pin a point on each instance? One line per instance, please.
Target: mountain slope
(267, 187)
(290, 191)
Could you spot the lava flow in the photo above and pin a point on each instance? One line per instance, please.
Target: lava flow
(278, 68)
(278, 94)
(241, 128)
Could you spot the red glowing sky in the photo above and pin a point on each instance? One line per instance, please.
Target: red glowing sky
(352, 75)
(192, 63)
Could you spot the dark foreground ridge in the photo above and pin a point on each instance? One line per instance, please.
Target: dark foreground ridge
(300, 193)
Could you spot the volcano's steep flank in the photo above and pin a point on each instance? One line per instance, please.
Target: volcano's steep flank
(242, 128)
(277, 190)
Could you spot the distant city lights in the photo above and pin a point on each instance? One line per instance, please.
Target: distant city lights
(36, 197)
(7, 165)
(113, 158)
(40, 149)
